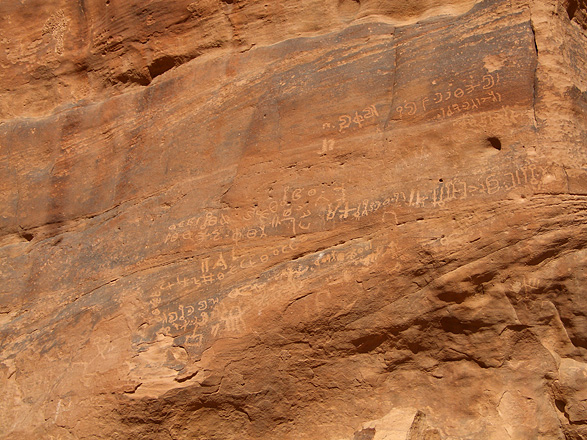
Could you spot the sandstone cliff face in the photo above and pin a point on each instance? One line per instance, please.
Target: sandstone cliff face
(345, 219)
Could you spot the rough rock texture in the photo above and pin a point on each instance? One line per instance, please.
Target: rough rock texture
(339, 220)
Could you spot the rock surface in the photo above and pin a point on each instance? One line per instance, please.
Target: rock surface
(342, 219)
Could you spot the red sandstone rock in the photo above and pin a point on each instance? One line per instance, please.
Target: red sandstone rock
(293, 220)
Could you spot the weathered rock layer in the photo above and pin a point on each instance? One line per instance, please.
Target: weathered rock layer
(313, 220)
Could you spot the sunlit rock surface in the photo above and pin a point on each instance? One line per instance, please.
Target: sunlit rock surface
(339, 220)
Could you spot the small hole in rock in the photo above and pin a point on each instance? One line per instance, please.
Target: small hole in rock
(495, 142)
(162, 65)
(27, 236)
(440, 180)
(572, 8)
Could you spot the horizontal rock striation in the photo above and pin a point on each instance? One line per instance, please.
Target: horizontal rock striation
(354, 220)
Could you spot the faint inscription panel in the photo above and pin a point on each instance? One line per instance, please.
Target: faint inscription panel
(442, 76)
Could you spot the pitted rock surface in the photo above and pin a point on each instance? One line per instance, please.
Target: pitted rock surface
(342, 220)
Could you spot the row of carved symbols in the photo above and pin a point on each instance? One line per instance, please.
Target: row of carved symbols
(345, 210)
(455, 189)
(454, 99)
(358, 119)
(293, 212)
(362, 254)
(468, 105)
(208, 324)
